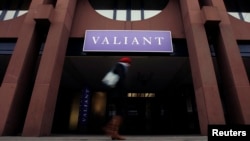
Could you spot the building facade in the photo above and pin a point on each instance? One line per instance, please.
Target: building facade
(42, 39)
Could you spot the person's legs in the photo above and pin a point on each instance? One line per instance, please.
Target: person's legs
(113, 126)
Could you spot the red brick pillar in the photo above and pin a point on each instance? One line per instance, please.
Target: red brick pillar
(13, 92)
(208, 101)
(40, 114)
(234, 76)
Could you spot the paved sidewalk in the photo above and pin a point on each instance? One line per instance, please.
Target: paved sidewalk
(104, 138)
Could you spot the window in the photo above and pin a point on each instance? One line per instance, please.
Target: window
(7, 46)
(238, 9)
(128, 10)
(244, 47)
(10, 9)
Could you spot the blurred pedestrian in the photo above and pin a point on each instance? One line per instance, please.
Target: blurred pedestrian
(117, 95)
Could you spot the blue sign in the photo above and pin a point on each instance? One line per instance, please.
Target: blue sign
(84, 106)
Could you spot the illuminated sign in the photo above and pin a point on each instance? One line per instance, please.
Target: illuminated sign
(127, 41)
(141, 95)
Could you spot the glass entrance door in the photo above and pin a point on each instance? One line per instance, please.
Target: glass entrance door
(162, 114)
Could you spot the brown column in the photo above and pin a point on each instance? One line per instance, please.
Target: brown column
(206, 90)
(42, 105)
(13, 92)
(234, 77)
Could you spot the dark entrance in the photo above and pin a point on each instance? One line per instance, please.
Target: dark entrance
(170, 112)
(164, 113)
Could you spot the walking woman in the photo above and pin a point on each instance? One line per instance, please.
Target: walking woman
(117, 95)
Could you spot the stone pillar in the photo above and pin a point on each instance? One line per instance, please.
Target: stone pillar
(234, 77)
(41, 110)
(208, 101)
(14, 96)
